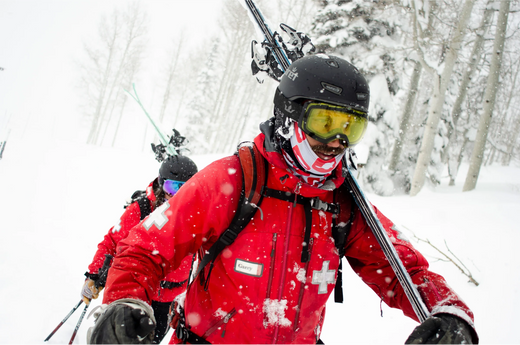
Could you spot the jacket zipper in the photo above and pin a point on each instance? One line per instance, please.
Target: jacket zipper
(302, 287)
(434, 289)
(285, 252)
(216, 325)
(226, 320)
(271, 267)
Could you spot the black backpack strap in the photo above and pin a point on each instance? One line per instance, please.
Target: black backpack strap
(170, 285)
(340, 231)
(315, 203)
(145, 206)
(183, 332)
(254, 178)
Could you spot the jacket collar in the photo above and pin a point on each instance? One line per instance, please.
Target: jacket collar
(149, 191)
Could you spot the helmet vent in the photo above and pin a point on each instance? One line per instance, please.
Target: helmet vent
(332, 63)
(362, 96)
(332, 88)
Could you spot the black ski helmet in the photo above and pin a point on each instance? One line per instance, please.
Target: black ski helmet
(178, 168)
(322, 78)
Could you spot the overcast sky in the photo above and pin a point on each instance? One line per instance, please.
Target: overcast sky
(39, 40)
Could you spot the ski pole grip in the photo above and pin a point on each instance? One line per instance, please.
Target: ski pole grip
(103, 272)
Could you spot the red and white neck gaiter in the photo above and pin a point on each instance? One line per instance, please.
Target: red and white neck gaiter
(316, 170)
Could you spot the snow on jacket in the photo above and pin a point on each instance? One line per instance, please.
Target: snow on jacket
(259, 291)
(130, 218)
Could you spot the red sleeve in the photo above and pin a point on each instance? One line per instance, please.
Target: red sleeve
(369, 262)
(128, 220)
(194, 217)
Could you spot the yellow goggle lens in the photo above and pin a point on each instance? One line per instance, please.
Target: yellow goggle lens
(330, 122)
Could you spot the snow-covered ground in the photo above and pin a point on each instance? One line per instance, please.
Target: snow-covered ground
(60, 197)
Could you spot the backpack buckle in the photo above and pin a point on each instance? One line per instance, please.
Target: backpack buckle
(228, 237)
(317, 204)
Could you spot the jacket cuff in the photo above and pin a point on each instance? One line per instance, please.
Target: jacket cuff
(451, 310)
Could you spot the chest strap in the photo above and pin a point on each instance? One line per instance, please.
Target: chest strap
(308, 205)
(170, 285)
(315, 203)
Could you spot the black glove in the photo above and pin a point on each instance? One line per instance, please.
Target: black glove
(442, 329)
(125, 321)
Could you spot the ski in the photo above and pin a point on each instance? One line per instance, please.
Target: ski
(276, 60)
(382, 238)
(164, 139)
(170, 145)
(275, 55)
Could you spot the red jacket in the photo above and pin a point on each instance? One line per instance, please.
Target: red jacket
(130, 218)
(259, 291)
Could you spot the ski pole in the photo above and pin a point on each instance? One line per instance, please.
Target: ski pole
(99, 283)
(78, 324)
(64, 320)
(103, 271)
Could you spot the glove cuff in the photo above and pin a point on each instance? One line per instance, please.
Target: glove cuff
(454, 311)
(101, 310)
(130, 302)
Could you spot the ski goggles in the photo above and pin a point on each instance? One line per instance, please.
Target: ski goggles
(326, 122)
(171, 186)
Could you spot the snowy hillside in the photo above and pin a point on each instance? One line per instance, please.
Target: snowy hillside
(59, 198)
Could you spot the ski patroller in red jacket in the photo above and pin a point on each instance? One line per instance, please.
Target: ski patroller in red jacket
(130, 218)
(259, 291)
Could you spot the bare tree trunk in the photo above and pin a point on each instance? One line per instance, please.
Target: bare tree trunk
(499, 132)
(466, 78)
(434, 113)
(114, 104)
(122, 55)
(489, 98)
(239, 32)
(512, 144)
(135, 27)
(459, 160)
(103, 87)
(119, 121)
(171, 71)
(179, 106)
(514, 122)
(407, 115)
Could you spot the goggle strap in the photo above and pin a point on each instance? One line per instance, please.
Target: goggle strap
(286, 106)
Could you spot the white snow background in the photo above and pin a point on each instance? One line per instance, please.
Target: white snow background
(60, 196)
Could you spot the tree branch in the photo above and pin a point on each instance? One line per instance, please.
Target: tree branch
(464, 270)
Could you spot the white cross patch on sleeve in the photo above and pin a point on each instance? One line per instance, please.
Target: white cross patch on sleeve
(157, 217)
(323, 277)
(117, 227)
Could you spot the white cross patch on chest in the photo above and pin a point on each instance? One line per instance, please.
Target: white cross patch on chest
(323, 277)
(157, 217)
